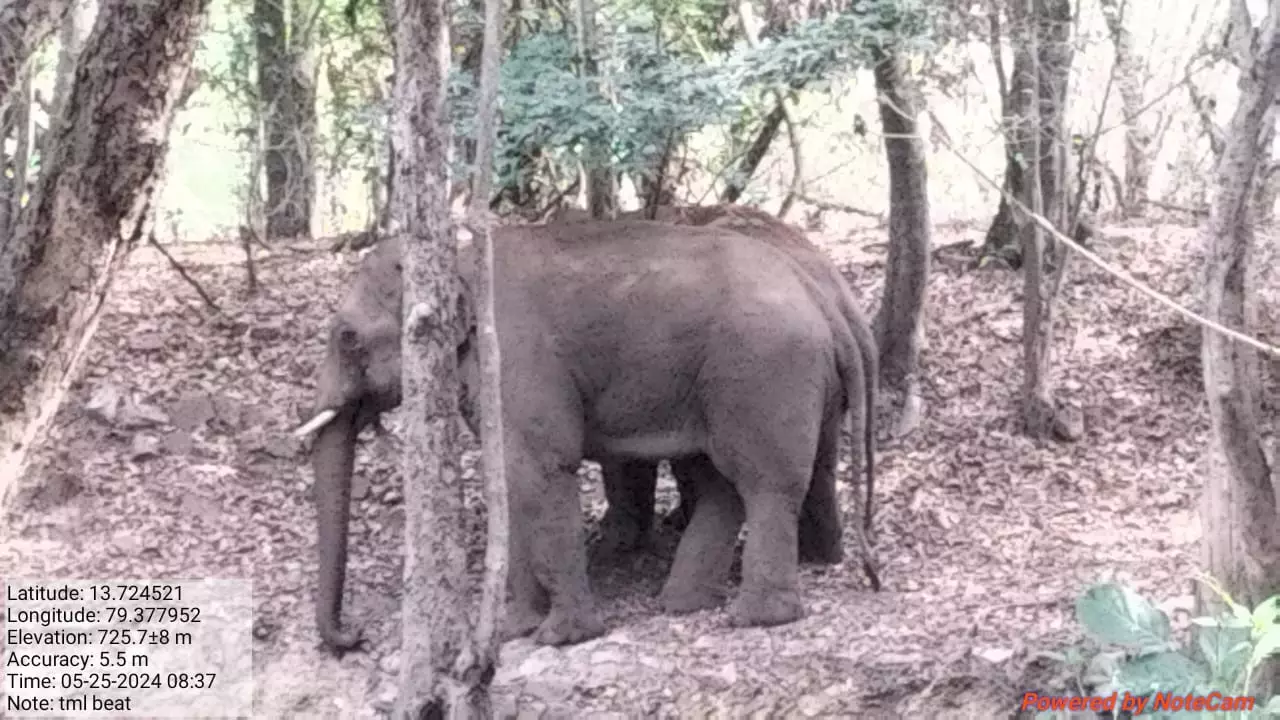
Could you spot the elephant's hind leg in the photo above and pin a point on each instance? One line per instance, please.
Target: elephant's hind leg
(700, 574)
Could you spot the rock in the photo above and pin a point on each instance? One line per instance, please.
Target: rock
(229, 411)
(146, 341)
(135, 415)
(392, 497)
(192, 410)
(104, 404)
(390, 663)
(359, 486)
(1068, 423)
(144, 447)
(177, 442)
(283, 447)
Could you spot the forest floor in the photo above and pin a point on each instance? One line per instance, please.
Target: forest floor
(985, 538)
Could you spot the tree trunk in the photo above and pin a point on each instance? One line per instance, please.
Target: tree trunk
(75, 30)
(1241, 546)
(435, 617)
(24, 24)
(1002, 237)
(742, 175)
(92, 203)
(601, 194)
(899, 324)
(1129, 69)
(1045, 45)
(23, 103)
(1267, 186)
(287, 94)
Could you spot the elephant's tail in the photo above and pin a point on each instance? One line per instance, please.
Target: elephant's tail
(869, 357)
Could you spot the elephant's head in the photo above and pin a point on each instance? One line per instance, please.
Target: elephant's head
(358, 381)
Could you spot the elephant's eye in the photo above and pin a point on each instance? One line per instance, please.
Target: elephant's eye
(348, 338)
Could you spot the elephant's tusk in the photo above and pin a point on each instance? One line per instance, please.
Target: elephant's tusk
(322, 418)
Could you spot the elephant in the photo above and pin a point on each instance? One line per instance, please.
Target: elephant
(629, 485)
(629, 340)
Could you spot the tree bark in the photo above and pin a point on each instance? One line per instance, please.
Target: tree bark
(1002, 237)
(484, 657)
(1045, 45)
(91, 205)
(24, 24)
(436, 622)
(287, 95)
(601, 194)
(71, 38)
(1129, 69)
(1241, 545)
(899, 324)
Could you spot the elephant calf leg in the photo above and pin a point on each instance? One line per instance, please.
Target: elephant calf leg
(820, 530)
(699, 576)
(629, 488)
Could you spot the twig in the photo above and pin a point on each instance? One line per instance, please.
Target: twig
(151, 239)
(831, 206)
(1198, 212)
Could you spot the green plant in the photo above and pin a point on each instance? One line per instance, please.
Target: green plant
(1139, 659)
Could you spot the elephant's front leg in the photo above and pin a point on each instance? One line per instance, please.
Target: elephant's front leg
(544, 498)
(629, 487)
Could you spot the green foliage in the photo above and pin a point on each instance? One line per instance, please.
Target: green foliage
(667, 70)
(1138, 655)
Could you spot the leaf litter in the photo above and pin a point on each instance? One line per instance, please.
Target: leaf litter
(172, 458)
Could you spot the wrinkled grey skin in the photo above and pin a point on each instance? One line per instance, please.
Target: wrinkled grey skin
(630, 485)
(624, 341)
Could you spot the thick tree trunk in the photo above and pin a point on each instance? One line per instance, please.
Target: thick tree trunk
(92, 203)
(899, 324)
(24, 24)
(1241, 546)
(287, 93)
(1129, 68)
(435, 617)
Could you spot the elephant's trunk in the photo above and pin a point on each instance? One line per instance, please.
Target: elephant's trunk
(333, 458)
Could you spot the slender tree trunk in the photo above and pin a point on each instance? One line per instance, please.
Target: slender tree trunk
(287, 94)
(1046, 43)
(75, 30)
(1267, 186)
(24, 24)
(92, 204)
(746, 169)
(1002, 237)
(435, 617)
(899, 324)
(1241, 546)
(24, 116)
(1129, 68)
(601, 194)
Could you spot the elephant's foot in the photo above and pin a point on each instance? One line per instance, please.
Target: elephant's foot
(520, 622)
(757, 609)
(678, 601)
(568, 627)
